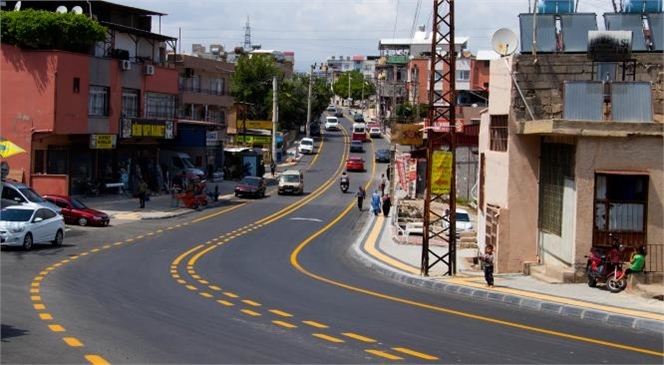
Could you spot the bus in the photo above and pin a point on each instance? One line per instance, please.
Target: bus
(359, 132)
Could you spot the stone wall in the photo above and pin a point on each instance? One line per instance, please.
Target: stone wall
(541, 80)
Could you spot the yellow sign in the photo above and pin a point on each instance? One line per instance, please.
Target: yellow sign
(265, 140)
(407, 134)
(255, 124)
(148, 130)
(102, 141)
(441, 172)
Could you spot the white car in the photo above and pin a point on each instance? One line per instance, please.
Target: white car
(331, 124)
(374, 132)
(23, 225)
(306, 146)
(463, 222)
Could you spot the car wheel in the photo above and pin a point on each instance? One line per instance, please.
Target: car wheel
(27, 242)
(263, 194)
(82, 222)
(59, 236)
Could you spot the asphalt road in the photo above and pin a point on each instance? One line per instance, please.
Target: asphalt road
(267, 281)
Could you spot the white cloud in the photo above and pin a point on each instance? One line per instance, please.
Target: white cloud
(318, 29)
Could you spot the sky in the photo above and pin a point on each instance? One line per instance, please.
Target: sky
(318, 29)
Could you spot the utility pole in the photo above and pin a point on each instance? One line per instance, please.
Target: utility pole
(306, 126)
(275, 117)
(348, 89)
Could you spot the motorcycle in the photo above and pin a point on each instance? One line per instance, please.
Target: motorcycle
(606, 268)
(344, 185)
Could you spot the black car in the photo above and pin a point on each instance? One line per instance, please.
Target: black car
(339, 113)
(314, 129)
(251, 186)
(382, 155)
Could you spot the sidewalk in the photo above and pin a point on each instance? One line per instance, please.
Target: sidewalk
(377, 248)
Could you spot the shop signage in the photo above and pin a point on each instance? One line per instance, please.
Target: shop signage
(256, 124)
(407, 134)
(102, 141)
(253, 139)
(441, 172)
(147, 128)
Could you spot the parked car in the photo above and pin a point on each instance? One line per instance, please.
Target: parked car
(374, 132)
(354, 163)
(358, 118)
(306, 146)
(75, 211)
(14, 192)
(356, 146)
(251, 186)
(463, 222)
(314, 129)
(382, 155)
(26, 224)
(331, 124)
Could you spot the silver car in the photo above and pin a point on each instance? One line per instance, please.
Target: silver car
(23, 225)
(14, 192)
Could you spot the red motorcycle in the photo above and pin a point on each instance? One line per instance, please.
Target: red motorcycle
(606, 267)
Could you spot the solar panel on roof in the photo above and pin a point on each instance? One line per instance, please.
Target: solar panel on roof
(545, 33)
(631, 102)
(656, 21)
(575, 31)
(633, 22)
(583, 100)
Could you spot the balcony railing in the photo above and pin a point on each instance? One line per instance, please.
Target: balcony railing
(204, 91)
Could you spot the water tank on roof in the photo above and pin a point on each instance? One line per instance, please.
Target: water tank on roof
(642, 6)
(555, 7)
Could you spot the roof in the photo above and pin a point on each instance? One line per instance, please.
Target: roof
(142, 33)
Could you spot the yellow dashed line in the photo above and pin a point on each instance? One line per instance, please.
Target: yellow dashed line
(34, 284)
(196, 276)
(250, 312)
(160, 230)
(225, 302)
(129, 240)
(57, 264)
(34, 290)
(251, 303)
(84, 253)
(327, 338)
(95, 250)
(214, 287)
(206, 295)
(74, 258)
(191, 287)
(315, 324)
(358, 337)
(149, 234)
(284, 324)
(280, 313)
(106, 246)
(139, 237)
(35, 297)
(117, 243)
(45, 316)
(39, 307)
(73, 342)
(230, 295)
(384, 354)
(96, 360)
(39, 278)
(204, 282)
(43, 272)
(65, 261)
(56, 328)
(181, 281)
(175, 276)
(414, 353)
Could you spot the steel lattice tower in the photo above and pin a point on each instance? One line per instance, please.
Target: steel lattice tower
(247, 36)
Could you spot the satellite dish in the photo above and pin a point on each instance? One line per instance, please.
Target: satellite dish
(77, 10)
(17, 7)
(61, 9)
(504, 42)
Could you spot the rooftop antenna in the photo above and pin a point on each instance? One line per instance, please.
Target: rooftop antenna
(77, 10)
(17, 7)
(61, 9)
(247, 36)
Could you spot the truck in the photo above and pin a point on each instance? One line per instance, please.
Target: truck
(175, 163)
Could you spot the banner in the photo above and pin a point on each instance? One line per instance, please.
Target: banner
(255, 124)
(407, 134)
(102, 141)
(441, 172)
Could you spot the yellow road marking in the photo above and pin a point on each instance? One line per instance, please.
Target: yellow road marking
(35, 298)
(327, 337)
(414, 353)
(214, 287)
(280, 313)
(73, 342)
(251, 303)
(56, 328)
(191, 287)
(93, 250)
(225, 302)
(230, 295)
(39, 306)
(315, 324)
(206, 295)
(284, 324)
(45, 316)
(384, 354)
(204, 282)
(250, 312)
(358, 337)
(194, 276)
(107, 246)
(34, 290)
(34, 284)
(96, 360)
(182, 281)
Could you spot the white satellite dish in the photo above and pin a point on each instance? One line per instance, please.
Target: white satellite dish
(77, 10)
(504, 42)
(61, 9)
(17, 7)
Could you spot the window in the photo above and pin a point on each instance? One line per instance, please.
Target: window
(98, 101)
(556, 164)
(217, 86)
(77, 85)
(130, 103)
(620, 202)
(159, 105)
(463, 75)
(498, 131)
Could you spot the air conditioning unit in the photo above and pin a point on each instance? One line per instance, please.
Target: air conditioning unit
(148, 70)
(125, 65)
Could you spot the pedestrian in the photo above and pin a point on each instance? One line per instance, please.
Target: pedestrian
(361, 195)
(487, 260)
(382, 184)
(142, 192)
(375, 202)
(387, 173)
(637, 262)
(273, 167)
(387, 204)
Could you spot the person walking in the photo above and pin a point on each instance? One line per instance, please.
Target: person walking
(487, 260)
(383, 183)
(273, 167)
(361, 195)
(375, 202)
(387, 204)
(142, 192)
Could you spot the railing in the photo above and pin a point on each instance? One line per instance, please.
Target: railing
(654, 258)
(200, 90)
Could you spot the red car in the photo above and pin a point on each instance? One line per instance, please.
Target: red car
(355, 163)
(75, 212)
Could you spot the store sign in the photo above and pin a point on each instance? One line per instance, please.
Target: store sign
(256, 124)
(147, 128)
(264, 140)
(441, 172)
(407, 134)
(102, 141)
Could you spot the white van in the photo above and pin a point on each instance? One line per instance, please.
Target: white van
(176, 162)
(291, 181)
(331, 123)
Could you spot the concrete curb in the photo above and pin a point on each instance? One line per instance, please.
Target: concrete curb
(357, 251)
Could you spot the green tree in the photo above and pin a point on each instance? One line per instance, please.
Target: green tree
(252, 83)
(359, 86)
(294, 96)
(41, 29)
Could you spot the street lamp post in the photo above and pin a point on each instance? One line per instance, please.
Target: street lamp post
(349, 89)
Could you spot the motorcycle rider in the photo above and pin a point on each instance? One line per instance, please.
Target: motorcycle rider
(345, 180)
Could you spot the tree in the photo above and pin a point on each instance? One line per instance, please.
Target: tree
(294, 94)
(42, 29)
(252, 83)
(359, 86)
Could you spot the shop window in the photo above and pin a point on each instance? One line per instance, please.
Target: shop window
(130, 103)
(39, 166)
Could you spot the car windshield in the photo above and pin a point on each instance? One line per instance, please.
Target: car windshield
(307, 143)
(290, 178)
(16, 215)
(77, 204)
(462, 217)
(356, 143)
(32, 195)
(252, 182)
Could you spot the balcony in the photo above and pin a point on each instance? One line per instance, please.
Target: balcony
(197, 95)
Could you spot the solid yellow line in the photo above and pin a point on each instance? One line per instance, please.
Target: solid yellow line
(384, 354)
(315, 324)
(73, 342)
(358, 337)
(280, 313)
(284, 324)
(414, 353)
(250, 312)
(327, 338)
(96, 360)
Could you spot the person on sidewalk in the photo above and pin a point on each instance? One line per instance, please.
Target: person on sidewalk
(375, 202)
(487, 260)
(387, 204)
(361, 195)
(142, 192)
(383, 183)
(637, 262)
(273, 167)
